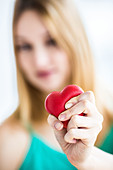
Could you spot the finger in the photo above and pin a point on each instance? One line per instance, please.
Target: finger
(59, 133)
(87, 136)
(83, 106)
(54, 122)
(82, 122)
(83, 96)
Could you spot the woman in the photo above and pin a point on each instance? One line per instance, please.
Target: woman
(52, 51)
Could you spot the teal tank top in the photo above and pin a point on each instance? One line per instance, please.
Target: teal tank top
(41, 157)
(107, 143)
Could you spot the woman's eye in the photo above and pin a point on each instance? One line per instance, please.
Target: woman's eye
(24, 47)
(51, 42)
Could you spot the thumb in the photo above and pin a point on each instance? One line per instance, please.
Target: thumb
(58, 129)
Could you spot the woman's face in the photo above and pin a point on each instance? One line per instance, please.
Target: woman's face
(44, 64)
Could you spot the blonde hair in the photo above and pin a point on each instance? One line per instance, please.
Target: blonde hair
(64, 24)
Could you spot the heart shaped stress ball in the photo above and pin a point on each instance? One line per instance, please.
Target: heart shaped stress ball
(55, 101)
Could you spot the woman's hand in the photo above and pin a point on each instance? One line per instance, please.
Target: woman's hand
(79, 138)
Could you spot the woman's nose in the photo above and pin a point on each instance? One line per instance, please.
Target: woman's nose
(41, 58)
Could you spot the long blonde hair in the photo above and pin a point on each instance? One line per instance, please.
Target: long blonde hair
(65, 26)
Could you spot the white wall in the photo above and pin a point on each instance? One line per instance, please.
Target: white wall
(97, 16)
(8, 86)
(98, 20)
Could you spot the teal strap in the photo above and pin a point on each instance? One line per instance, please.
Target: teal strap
(29, 128)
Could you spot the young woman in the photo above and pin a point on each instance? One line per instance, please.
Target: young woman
(52, 51)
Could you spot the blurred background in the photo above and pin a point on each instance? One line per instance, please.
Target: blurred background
(97, 17)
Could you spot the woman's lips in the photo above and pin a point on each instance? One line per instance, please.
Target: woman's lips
(44, 74)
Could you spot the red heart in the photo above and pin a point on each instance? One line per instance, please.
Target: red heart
(55, 101)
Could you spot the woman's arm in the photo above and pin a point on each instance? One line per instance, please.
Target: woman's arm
(98, 160)
(81, 151)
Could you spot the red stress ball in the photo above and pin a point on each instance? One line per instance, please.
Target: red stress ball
(55, 101)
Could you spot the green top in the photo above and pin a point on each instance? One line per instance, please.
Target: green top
(41, 157)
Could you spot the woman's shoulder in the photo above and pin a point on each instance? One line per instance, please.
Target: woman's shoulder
(13, 144)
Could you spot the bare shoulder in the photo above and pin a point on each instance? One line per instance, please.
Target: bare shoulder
(13, 145)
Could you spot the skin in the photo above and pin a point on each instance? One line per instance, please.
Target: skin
(38, 52)
(35, 56)
(77, 142)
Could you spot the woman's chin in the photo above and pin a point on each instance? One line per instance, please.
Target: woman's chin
(49, 88)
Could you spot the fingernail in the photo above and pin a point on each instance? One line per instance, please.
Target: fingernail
(68, 105)
(73, 141)
(62, 117)
(58, 125)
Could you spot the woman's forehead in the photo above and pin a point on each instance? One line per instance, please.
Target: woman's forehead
(30, 24)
